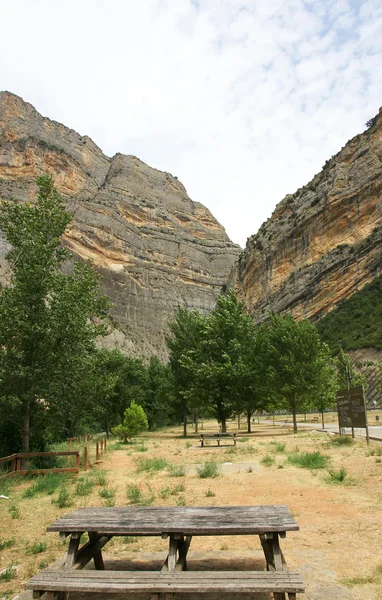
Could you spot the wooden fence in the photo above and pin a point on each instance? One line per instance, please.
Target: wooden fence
(17, 467)
(91, 455)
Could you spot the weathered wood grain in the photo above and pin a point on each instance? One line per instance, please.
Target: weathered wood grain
(113, 582)
(191, 520)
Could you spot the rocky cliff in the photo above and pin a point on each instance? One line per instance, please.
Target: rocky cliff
(322, 243)
(155, 248)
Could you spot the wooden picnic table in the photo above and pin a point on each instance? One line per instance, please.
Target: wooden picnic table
(179, 524)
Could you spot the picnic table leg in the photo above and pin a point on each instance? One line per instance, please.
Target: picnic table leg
(274, 557)
(98, 560)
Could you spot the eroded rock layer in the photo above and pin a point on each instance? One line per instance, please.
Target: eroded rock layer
(322, 243)
(155, 248)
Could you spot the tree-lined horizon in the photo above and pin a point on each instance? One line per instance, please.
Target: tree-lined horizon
(56, 382)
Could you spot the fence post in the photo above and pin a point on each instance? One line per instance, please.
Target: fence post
(101, 445)
(97, 452)
(85, 458)
(105, 442)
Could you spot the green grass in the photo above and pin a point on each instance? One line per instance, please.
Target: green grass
(8, 574)
(37, 548)
(209, 494)
(181, 501)
(308, 460)
(177, 470)
(208, 469)
(63, 499)
(108, 496)
(268, 460)
(14, 511)
(136, 496)
(374, 578)
(338, 477)
(45, 484)
(84, 486)
(130, 539)
(99, 478)
(6, 543)
(151, 464)
(279, 447)
(341, 440)
(374, 451)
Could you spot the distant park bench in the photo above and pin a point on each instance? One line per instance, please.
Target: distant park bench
(217, 437)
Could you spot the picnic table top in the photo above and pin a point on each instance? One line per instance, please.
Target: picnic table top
(188, 520)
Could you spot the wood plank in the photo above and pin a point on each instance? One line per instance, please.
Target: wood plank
(188, 520)
(159, 582)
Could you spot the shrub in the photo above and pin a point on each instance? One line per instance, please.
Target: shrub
(84, 486)
(177, 470)
(135, 421)
(14, 511)
(308, 460)
(8, 574)
(63, 499)
(151, 464)
(268, 461)
(208, 469)
(337, 476)
(130, 539)
(279, 447)
(45, 484)
(108, 496)
(37, 548)
(6, 543)
(342, 440)
(181, 501)
(136, 496)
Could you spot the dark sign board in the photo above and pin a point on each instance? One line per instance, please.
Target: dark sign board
(351, 407)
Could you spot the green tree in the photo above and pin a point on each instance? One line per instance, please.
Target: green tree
(184, 344)
(323, 396)
(135, 421)
(48, 321)
(159, 398)
(296, 358)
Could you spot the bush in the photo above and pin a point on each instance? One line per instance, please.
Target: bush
(151, 464)
(37, 548)
(14, 511)
(342, 440)
(6, 543)
(337, 476)
(177, 470)
(208, 469)
(308, 460)
(8, 574)
(63, 499)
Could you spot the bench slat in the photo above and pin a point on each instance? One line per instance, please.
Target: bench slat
(162, 582)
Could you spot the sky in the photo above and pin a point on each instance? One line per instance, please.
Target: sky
(243, 101)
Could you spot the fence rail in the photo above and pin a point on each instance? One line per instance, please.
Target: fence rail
(16, 464)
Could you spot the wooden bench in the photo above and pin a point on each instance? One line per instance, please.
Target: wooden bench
(159, 582)
(217, 437)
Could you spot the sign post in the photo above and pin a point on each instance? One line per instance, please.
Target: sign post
(351, 409)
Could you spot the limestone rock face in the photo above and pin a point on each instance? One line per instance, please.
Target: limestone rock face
(155, 248)
(322, 243)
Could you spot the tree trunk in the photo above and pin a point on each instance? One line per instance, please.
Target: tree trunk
(323, 422)
(249, 414)
(196, 421)
(224, 426)
(26, 427)
(238, 421)
(294, 420)
(185, 423)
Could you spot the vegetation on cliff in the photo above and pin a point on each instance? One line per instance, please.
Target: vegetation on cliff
(357, 322)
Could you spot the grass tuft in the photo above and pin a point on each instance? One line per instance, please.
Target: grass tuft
(14, 511)
(209, 493)
(45, 484)
(308, 460)
(84, 486)
(341, 440)
(136, 496)
(151, 464)
(6, 543)
(208, 469)
(8, 574)
(279, 447)
(268, 460)
(177, 470)
(37, 548)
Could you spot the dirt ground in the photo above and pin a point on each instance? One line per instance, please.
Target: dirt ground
(337, 550)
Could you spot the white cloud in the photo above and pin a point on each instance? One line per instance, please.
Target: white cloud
(243, 100)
